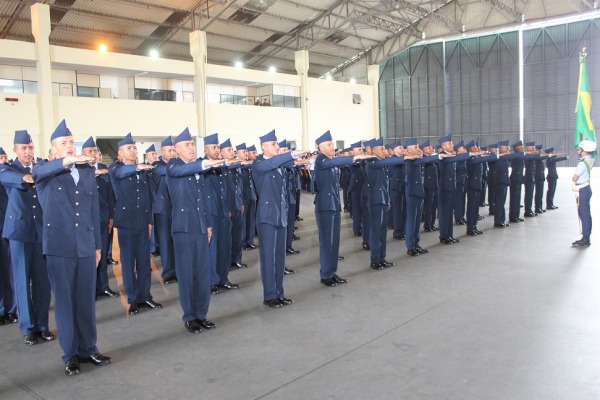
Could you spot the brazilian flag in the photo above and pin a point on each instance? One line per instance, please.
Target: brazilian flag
(584, 126)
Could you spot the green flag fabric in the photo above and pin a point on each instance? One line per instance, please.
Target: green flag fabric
(584, 126)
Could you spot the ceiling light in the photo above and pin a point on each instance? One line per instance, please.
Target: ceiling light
(154, 53)
(238, 64)
(352, 81)
(272, 69)
(102, 48)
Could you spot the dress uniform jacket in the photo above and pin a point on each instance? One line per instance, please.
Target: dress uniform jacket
(529, 181)
(430, 184)
(552, 177)
(501, 183)
(397, 199)
(540, 179)
(236, 203)
(449, 179)
(357, 180)
(106, 199)
(249, 199)
(460, 195)
(8, 302)
(161, 210)
(474, 186)
(71, 237)
(271, 219)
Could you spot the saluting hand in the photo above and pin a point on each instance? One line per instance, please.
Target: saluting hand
(363, 157)
(69, 160)
(101, 172)
(212, 163)
(143, 167)
(298, 153)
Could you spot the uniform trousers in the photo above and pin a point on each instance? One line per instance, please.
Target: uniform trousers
(193, 273)
(539, 194)
(73, 281)
(445, 206)
(585, 195)
(272, 259)
(329, 225)
(102, 270)
(297, 206)
(8, 301)
(237, 235)
(482, 193)
(219, 249)
(491, 198)
(414, 211)
(399, 212)
(528, 198)
(378, 216)
(346, 197)
(515, 201)
(355, 200)
(31, 285)
(499, 204)
(460, 199)
(291, 220)
(429, 208)
(250, 222)
(473, 200)
(162, 225)
(366, 231)
(550, 193)
(135, 263)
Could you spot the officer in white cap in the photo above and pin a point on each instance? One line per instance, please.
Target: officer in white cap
(581, 185)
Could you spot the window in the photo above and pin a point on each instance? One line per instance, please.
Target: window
(84, 91)
(156, 95)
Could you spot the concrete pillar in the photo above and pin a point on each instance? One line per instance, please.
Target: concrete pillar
(198, 50)
(373, 80)
(302, 65)
(40, 28)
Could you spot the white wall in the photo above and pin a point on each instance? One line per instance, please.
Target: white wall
(18, 116)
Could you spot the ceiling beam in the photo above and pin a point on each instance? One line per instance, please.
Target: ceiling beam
(497, 4)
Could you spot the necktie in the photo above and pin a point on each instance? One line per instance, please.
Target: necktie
(75, 174)
(28, 169)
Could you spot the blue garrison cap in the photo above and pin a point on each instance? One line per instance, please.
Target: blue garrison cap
(252, 148)
(369, 143)
(356, 145)
(22, 137)
(167, 142)
(377, 142)
(493, 146)
(326, 137)
(225, 144)
(539, 146)
(289, 145)
(283, 144)
(150, 149)
(241, 146)
(2, 152)
(483, 148)
(470, 144)
(347, 149)
(517, 144)
(502, 143)
(269, 137)
(211, 139)
(547, 151)
(389, 146)
(410, 142)
(426, 143)
(458, 145)
(61, 130)
(530, 144)
(396, 144)
(89, 143)
(183, 136)
(128, 139)
(445, 139)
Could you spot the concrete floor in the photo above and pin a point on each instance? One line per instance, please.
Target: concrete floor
(512, 314)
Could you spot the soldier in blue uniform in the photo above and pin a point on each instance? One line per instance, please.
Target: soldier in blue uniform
(581, 185)
(552, 176)
(516, 182)
(8, 301)
(191, 230)
(493, 149)
(162, 213)
(379, 200)
(133, 212)
(364, 199)
(430, 184)
(219, 216)
(106, 203)
(501, 183)
(248, 196)
(460, 195)
(290, 183)
(271, 217)
(327, 207)
(357, 181)
(345, 175)
(540, 179)
(23, 229)
(397, 193)
(415, 193)
(484, 181)
(529, 181)
(151, 157)
(72, 246)
(474, 184)
(235, 190)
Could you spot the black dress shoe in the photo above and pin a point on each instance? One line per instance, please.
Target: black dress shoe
(112, 261)
(193, 326)
(229, 286)
(539, 211)
(30, 339)
(285, 301)
(401, 237)
(299, 219)
(338, 280)
(155, 254)
(169, 281)
(206, 324)
(292, 251)
(386, 264)
(97, 359)
(471, 233)
(530, 214)
(366, 246)
(583, 242)
(484, 204)
(294, 237)
(72, 366)
(412, 252)
(480, 218)
(427, 229)
(214, 289)
(340, 258)
(477, 231)
(273, 303)
(134, 309)
(376, 266)
(108, 293)
(238, 265)
(446, 241)
(421, 250)
(500, 225)
(460, 222)
(2, 320)
(551, 207)
(47, 335)
(357, 233)
(329, 282)
(151, 304)
(434, 229)
(249, 246)
(454, 240)
(288, 271)
(11, 318)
